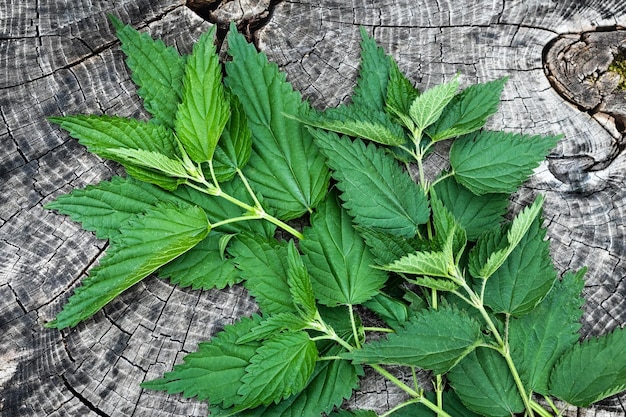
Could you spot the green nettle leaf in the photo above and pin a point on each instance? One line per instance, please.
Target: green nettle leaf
(204, 109)
(468, 111)
(145, 243)
(202, 267)
(261, 264)
(497, 162)
(540, 337)
(149, 159)
(234, 147)
(100, 134)
(393, 311)
(273, 325)
(427, 107)
(476, 214)
(214, 371)
(330, 385)
(281, 367)
(285, 165)
(437, 283)
(359, 122)
(421, 263)
(435, 340)
(387, 248)
(374, 189)
(525, 276)
(371, 84)
(300, 284)
(158, 70)
(338, 259)
(483, 382)
(591, 371)
(400, 95)
(103, 207)
(449, 234)
(493, 248)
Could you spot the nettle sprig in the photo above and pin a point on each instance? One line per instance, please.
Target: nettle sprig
(225, 162)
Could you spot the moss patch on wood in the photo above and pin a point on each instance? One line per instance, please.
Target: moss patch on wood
(618, 66)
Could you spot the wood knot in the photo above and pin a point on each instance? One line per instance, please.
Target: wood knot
(589, 70)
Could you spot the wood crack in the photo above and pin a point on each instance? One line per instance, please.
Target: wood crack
(82, 399)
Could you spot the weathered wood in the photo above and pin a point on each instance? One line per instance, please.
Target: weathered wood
(62, 58)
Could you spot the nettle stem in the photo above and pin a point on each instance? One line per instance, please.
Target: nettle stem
(418, 396)
(502, 347)
(256, 212)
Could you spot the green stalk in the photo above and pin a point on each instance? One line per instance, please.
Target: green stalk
(419, 397)
(400, 406)
(355, 332)
(438, 385)
(255, 212)
(503, 347)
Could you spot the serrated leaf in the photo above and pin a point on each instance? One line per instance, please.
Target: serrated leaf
(358, 122)
(435, 340)
(337, 258)
(285, 166)
(149, 159)
(281, 367)
(497, 162)
(214, 371)
(393, 311)
(468, 111)
(386, 247)
(202, 267)
(204, 109)
(422, 263)
(375, 189)
(299, 283)
(273, 325)
(261, 264)
(449, 234)
(525, 276)
(438, 284)
(540, 337)
(483, 382)
(400, 95)
(371, 83)
(101, 133)
(330, 385)
(493, 248)
(427, 107)
(234, 147)
(145, 243)
(591, 371)
(157, 69)
(475, 213)
(107, 205)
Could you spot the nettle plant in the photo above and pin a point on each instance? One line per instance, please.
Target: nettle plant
(226, 162)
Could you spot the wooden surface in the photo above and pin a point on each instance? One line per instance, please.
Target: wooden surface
(61, 57)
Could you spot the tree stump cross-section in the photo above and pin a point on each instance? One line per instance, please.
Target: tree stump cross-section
(61, 57)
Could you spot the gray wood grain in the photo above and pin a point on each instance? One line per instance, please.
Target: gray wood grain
(61, 57)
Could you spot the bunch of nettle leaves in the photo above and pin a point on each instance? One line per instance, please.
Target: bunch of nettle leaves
(457, 290)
